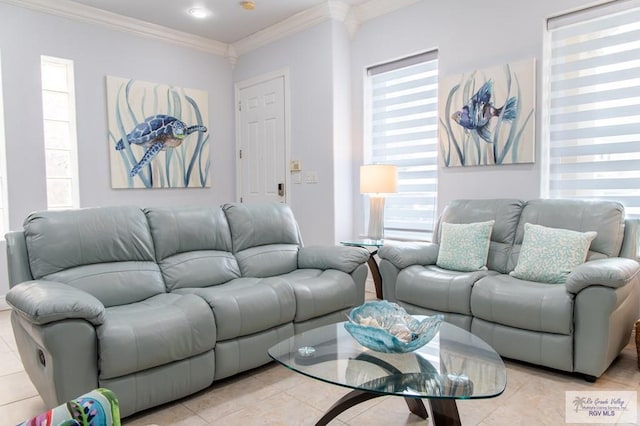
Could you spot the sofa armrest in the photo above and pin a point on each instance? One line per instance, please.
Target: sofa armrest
(407, 254)
(342, 258)
(17, 258)
(42, 302)
(613, 272)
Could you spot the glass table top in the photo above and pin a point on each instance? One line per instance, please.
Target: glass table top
(363, 243)
(454, 365)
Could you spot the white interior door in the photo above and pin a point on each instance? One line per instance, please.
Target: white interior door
(262, 141)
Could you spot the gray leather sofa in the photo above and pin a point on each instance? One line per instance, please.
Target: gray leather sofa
(579, 326)
(156, 304)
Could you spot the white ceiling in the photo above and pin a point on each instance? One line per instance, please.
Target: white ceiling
(228, 21)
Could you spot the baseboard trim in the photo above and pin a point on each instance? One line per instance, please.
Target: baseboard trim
(4, 306)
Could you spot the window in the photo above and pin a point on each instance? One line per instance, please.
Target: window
(4, 210)
(58, 107)
(402, 130)
(593, 86)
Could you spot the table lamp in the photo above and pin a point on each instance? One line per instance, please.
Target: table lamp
(377, 180)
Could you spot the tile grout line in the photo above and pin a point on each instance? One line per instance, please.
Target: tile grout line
(20, 400)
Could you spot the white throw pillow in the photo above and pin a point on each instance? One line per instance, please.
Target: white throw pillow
(464, 246)
(548, 255)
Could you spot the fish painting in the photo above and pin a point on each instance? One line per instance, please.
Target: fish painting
(479, 110)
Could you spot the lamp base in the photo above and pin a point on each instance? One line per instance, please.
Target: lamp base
(376, 217)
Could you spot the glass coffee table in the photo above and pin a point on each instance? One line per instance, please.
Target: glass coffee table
(454, 365)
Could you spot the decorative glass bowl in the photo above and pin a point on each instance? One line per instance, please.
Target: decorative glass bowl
(386, 327)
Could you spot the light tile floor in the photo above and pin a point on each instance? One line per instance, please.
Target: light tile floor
(273, 395)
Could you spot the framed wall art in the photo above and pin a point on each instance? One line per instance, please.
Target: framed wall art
(487, 117)
(158, 135)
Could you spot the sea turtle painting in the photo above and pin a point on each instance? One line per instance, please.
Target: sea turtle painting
(157, 133)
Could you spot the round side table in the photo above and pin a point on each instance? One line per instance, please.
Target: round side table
(373, 265)
(638, 341)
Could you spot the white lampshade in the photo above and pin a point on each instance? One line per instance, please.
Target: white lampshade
(378, 179)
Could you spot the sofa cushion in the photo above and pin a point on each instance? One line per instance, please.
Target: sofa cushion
(268, 260)
(116, 283)
(319, 292)
(193, 246)
(604, 217)
(185, 229)
(505, 213)
(548, 255)
(259, 224)
(58, 240)
(157, 331)
(106, 251)
(437, 289)
(246, 306)
(265, 238)
(522, 304)
(464, 246)
(202, 268)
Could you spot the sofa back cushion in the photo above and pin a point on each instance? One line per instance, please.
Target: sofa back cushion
(505, 213)
(265, 238)
(193, 246)
(604, 217)
(106, 251)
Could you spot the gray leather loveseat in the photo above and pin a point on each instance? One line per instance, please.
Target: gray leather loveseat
(579, 325)
(156, 304)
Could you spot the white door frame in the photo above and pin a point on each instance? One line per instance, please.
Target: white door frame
(284, 73)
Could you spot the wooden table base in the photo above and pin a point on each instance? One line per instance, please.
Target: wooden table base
(445, 411)
(638, 341)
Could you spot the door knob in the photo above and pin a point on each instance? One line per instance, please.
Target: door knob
(281, 189)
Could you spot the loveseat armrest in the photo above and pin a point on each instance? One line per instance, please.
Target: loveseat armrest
(406, 254)
(612, 272)
(42, 302)
(342, 258)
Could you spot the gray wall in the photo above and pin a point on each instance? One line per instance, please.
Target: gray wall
(342, 146)
(97, 52)
(319, 70)
(308, 57)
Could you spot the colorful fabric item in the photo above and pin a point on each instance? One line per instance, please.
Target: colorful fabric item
(464, 246)
(548, 255)
(97, 408)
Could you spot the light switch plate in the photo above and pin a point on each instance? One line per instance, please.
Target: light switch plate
(312, 177)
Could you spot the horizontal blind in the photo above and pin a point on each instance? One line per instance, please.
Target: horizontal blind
(403, 132)
(594, 128)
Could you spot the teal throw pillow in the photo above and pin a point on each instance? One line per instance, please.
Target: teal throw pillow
(464, 246)
(548, 255)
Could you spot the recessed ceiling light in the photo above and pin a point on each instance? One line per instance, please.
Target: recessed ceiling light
(198, 12)
(248, 4)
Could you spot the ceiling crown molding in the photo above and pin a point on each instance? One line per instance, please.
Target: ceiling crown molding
(294, 24)
(92, 15)
(374, 8)
(336, 10)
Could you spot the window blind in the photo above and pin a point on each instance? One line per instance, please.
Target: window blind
(594, 94)
(403, 125)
